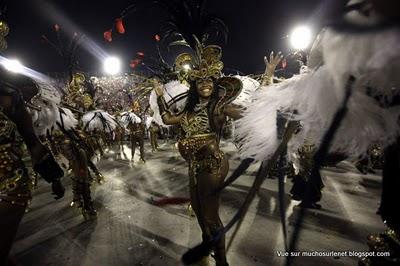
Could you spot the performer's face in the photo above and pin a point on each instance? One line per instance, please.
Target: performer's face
(205, 87)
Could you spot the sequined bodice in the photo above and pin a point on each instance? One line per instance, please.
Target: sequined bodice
(197, 124)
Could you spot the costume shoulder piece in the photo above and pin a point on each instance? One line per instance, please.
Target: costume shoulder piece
(228, 88)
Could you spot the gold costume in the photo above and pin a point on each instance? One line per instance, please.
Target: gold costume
(199, 147)
(77, 98)
(78, 147)
(15, 184)
(137, 131)
(154, 129)
(202, 124)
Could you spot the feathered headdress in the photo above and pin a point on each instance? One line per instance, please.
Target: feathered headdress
(189, 24)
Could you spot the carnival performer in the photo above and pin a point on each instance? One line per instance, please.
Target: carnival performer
(79, 94)
(137, 128)
(99, 125)
(58, 127)
(305, 159)
(299, 169)
(15, 130)
(119, 136)
(208, 105)
(209, 97)
(212, 98)
(66, 140)
(154, 129)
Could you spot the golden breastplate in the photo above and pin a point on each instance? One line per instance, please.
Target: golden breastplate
(196, 125)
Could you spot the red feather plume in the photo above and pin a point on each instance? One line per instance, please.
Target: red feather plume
(108, 35)
(119, 25)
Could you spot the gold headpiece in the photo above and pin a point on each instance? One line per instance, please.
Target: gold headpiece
(183, 62)
(4, 30)
(76, 82)
(76, 95)
(78, 77)
(206, 64)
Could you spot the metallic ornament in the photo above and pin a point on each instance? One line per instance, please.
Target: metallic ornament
(4, 29)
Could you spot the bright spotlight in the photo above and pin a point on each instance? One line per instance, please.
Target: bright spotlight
(186, 67)
(13, 65)
(112, 65)
(301, 37)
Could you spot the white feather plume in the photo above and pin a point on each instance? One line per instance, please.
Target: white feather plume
(250, 85)
(129, 117)
(372, 58)
(48, 92)
(44, 116)
(99, 120)
(44, 121)
(173, 90)
(66, 119)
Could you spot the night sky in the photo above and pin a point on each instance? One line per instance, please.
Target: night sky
(256, 27)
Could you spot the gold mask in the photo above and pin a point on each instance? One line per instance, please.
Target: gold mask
(210, 64)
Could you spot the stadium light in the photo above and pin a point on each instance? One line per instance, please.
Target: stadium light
(301, 37)
(112, 65)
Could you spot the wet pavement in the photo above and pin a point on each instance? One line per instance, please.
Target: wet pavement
(130, 230)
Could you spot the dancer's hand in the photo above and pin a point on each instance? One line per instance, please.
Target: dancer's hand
(272, 63)
(158, 88)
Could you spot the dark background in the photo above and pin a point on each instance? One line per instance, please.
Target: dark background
(256, 28)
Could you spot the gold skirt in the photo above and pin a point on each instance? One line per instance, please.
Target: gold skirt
(202, 153)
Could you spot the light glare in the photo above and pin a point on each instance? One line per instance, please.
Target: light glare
(301, 37)
(112, 65)
(13, 65)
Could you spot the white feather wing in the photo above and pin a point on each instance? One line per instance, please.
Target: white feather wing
(99, 120)
(130, 117)
(250, 85)
(175, 96)
(66, 119)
